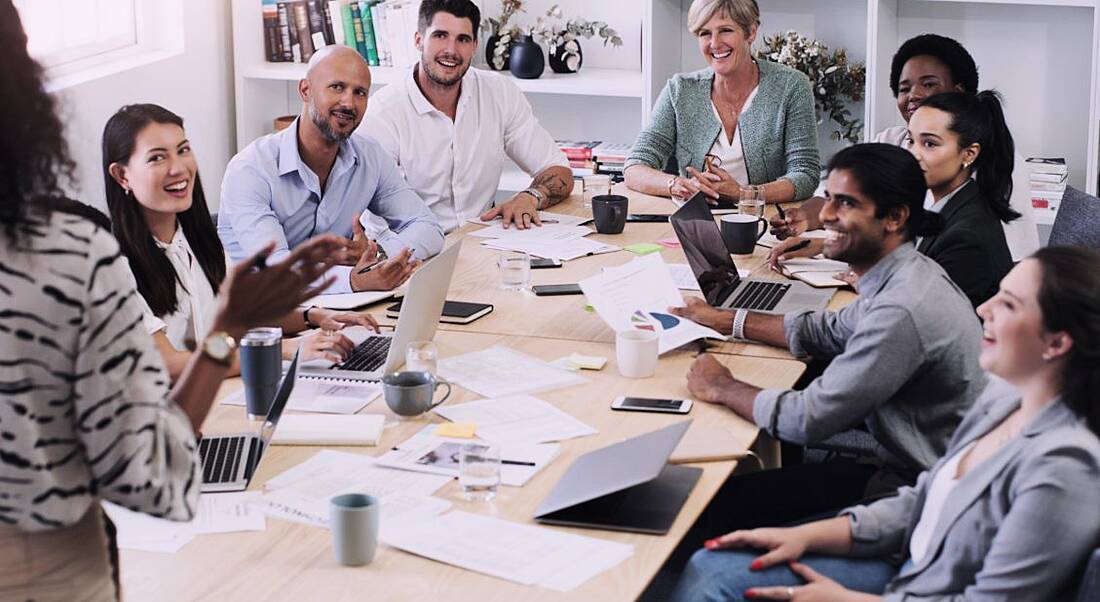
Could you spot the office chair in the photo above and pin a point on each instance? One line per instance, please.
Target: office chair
(1077, 221)
(1089, 588)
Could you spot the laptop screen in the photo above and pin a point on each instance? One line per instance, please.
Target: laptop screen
(267, 430)
(706, 253)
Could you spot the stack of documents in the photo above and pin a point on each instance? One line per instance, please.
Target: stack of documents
(217, 513)
(522, 553)
(1047, 177)
(428, 453)
(323, 394)
(517, 420)
(560, 237)
(500, 371)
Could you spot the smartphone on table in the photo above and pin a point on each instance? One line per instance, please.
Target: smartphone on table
(550, 290)
(649, 404)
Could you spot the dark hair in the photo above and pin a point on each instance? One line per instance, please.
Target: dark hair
(1069, 297)
(79, 209)
(458, 8)
(148, 262)
(980, 119)
(34, 157)
(891, 177)
(946, 50)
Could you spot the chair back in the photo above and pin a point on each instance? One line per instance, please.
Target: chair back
(1089, 589)
(1078, 220)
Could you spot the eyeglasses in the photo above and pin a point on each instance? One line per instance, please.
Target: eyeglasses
(711, 160)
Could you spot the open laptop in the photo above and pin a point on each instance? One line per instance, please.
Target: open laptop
(628, 486)
(378, 354)
(717, 275)
(229, 461)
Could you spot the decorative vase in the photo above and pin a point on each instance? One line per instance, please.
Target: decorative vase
(527, 61)
(490, 48)
(566, 57)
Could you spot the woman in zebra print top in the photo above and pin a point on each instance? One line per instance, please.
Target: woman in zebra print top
(85, 409)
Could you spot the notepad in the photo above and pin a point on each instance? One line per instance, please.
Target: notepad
(312, 429)
(325, 394)
(817, 272)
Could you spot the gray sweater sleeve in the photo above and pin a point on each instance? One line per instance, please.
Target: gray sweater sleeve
(800, 136)
(656, 143)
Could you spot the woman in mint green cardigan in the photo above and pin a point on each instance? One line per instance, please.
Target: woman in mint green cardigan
(757, 116)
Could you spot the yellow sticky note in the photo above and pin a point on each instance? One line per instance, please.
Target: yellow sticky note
(461, 430)
(643, 248)
(588, 362)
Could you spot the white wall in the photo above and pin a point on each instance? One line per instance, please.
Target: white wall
(197, 85)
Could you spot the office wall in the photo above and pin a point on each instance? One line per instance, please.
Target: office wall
(197, 85)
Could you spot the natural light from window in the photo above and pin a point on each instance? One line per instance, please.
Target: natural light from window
(61, 32)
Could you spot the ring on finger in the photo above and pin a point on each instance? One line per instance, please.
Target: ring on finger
(790, 593)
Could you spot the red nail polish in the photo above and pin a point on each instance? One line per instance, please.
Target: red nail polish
(711, 544)
(750, 594)
(756, 565)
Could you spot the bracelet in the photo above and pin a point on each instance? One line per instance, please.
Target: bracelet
(739, 324)
(305, 318)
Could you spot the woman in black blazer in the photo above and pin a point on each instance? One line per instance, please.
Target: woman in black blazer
(966, 152)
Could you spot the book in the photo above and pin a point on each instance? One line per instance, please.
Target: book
(306, 429)
(577, 149)
(611, 152)
(286, 37)
(326, 21)
(369, 40)
(316, 27)
(272, 51)
(335, 14)
(299, 30)
(380, 27)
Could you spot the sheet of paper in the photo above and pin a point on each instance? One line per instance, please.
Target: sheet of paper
(561, 250)
(517, 419)
(500, 371)
(427, 453)
(313, 510)
(325, 395)
(547, 217)
(546, 232)
(216, 513)
(769, 240)
(516, 552)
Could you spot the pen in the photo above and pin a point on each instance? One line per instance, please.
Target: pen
(517, 463)
(779, 208)
(370, 267)
(805, 242)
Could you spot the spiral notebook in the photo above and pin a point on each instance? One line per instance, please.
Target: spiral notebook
(324, 394)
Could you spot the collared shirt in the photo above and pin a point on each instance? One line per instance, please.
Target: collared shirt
(904, 361)
(931, 204)
(270, 194)
(455, 166)
(195, 298)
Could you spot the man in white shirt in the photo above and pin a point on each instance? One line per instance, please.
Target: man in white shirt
(450, 128)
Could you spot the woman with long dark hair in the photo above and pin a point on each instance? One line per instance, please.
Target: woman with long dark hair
(160, 218)
(86, 412)
(1009, 512)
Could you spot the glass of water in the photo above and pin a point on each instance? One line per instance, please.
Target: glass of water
(751, 201)
(594, 185)
(479, 471)
(515, 270)
(421, 356)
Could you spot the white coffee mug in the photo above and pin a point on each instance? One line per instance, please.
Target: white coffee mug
(636, 353)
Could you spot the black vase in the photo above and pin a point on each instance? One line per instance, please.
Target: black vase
(566, 57)
(528, 61)
(490, 47)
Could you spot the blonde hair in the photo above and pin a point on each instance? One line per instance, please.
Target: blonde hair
(745, 13)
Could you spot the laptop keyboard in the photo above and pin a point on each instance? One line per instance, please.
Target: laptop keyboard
(221, 458)
(760, 295)
(368, 356)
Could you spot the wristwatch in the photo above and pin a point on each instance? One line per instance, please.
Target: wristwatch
(219, 346)
(540, 197)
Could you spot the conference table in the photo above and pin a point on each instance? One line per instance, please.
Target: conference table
(292, 561)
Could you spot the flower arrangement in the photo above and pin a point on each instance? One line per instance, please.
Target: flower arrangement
(547, 29)
(505, 34)
(832, 77)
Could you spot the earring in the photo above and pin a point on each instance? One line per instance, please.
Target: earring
(966, 165)
(127, 191)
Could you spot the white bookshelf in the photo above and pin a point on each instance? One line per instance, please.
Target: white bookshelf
(1041, 54)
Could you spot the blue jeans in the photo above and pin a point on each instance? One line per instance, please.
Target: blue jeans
(724, 574)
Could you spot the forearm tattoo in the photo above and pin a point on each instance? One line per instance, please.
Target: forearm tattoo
(554, 184)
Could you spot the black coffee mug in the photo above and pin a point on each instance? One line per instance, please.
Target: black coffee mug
(740, 232)
(609, 213)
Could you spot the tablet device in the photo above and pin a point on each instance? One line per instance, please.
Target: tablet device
(454, 312)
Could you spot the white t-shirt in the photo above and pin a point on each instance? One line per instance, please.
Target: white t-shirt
(456, 166)
(195, 297)
(943, 482)
(731, 152)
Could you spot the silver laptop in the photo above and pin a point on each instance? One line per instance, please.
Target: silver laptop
(378, 354)
(628, 486)
(229, 461)
(717, 275)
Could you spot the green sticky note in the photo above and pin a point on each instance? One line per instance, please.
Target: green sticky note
(589, 309)
(643, 248)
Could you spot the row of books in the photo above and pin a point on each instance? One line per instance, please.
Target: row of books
(1047, 179)
(380, 30)
(587, 157)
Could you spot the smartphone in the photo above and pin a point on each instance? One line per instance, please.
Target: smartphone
(648, 404)
(549, 290)
(454, 312)
(542, 262)
(647, 217)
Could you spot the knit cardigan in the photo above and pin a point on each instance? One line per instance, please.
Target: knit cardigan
(778, 130)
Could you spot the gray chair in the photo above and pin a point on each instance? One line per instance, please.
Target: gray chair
(1089, 589)
(1078, 220)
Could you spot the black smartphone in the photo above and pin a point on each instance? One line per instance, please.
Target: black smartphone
(454, 312)
(647, 217)
(542, 262)
(547, 290)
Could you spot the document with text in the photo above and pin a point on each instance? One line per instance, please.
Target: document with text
(517, 419)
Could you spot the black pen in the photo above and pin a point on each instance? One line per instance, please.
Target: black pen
(779, 208)
(517, 463)
(802, 244)
(370, 267)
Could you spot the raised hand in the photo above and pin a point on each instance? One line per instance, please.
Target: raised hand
(385, 276)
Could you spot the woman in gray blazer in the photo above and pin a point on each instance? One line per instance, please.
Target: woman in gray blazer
(756, 117)
(1011, 510)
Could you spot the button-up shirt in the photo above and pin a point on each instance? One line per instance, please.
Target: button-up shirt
(455, 166)
(270, 194)
(195, 298)
(904, 360)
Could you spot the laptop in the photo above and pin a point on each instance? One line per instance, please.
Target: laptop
(717, 275)
(229, 461)
(377, 354)
(628, 486)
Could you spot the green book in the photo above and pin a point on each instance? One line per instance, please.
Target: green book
(368, 34)
(349, 27)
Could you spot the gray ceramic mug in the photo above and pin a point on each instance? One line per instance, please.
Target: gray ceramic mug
(410, 393)
(353, 520)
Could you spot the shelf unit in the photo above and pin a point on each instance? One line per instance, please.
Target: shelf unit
(1041, 54)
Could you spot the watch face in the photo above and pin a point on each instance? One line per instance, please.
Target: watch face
(217, 347)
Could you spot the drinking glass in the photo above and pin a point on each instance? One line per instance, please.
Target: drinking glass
(515, 270)
(479, 471)
(751, 201)
(594, 185)
(421, 356)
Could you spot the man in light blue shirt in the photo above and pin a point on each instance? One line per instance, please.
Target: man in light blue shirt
(318, 177)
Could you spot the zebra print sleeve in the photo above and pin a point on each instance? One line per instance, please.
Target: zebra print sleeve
(138, 444)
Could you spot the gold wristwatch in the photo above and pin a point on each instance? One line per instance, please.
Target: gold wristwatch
(219, 346)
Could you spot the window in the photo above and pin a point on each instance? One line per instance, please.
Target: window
(61, 32)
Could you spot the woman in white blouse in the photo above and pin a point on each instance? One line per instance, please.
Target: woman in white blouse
(160, 217)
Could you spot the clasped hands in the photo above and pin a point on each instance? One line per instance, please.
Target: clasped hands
(714, 182)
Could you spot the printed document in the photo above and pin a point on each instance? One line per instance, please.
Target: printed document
(517, 419)
(425, 452)
(500, 371)
(546, 216)
(562, 250)
(323, 394)
(216, 513)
